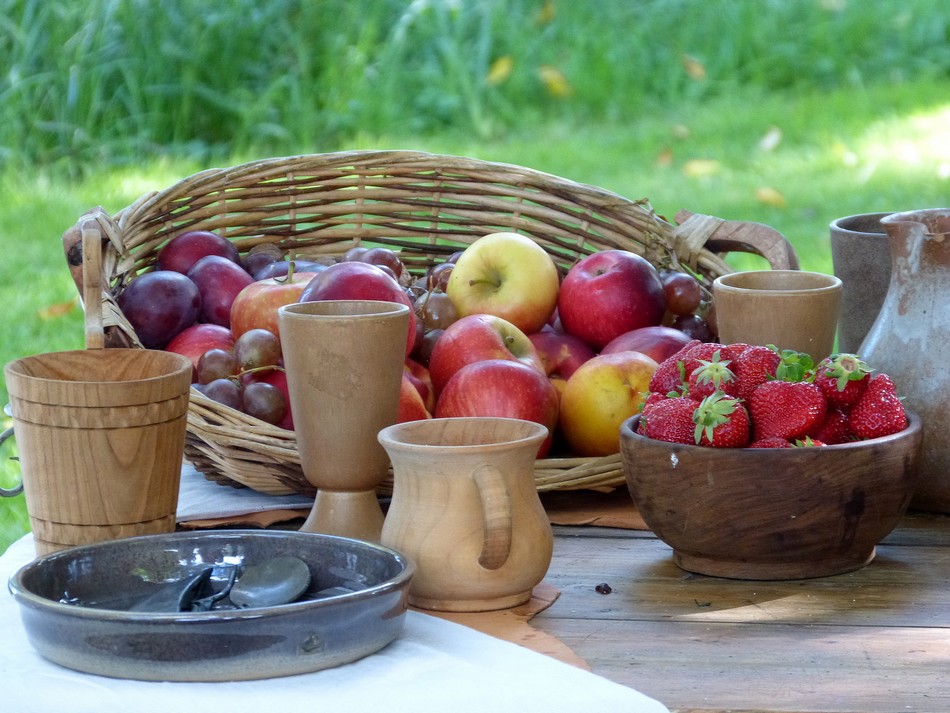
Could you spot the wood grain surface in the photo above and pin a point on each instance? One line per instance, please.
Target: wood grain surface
(872, 641)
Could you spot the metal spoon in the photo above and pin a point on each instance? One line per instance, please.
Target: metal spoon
(277, 581)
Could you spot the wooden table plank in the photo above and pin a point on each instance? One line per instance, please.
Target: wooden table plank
(875, 641)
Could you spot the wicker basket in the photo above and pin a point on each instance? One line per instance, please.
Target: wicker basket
(426, 206)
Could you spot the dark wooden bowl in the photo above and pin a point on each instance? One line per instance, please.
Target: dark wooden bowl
(772, 513)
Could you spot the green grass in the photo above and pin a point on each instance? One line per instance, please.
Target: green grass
(103, 100)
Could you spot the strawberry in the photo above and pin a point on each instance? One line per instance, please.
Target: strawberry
(710, 376)
(721, 422)
(879, 411)
(669, 376)
(669, 419)
(754, 366)
(789, 409)
(842, 378)
(771, 442)
(703, 351)
(808, 442)
(834, 429)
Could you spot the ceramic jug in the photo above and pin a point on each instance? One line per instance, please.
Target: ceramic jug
(908, 339)
(466, 510)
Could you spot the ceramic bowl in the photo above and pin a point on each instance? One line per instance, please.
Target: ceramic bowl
(74, 605)
(772, 513)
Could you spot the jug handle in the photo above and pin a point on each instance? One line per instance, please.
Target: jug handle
(496, 516)
(18, 488)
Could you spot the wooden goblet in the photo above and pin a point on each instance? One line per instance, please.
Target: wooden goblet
(344, 361)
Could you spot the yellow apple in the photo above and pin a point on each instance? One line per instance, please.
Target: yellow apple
(603, 393)
(507, 275)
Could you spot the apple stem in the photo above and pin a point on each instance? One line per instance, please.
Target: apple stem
(288, 278)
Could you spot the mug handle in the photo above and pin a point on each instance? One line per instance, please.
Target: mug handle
(18, 488)
(496, 516)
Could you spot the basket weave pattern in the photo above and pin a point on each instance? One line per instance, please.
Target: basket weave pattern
(425, 206)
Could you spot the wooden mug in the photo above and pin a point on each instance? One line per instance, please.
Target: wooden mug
(465, 508)
(100, 435)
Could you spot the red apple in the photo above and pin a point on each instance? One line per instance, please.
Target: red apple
(600, 396)
(256, 305)
(501, 388)
(420, 378)
(199, 338)
(219, 281)
(183, 251)
(609, 293)
(411, 406)
(360, 281)
(478, 337)
(657, 342)
(561, 354)
(507, 275)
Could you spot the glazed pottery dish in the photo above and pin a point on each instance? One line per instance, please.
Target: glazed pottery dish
(158, 607)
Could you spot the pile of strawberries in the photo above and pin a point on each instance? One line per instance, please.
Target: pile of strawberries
(742, 396)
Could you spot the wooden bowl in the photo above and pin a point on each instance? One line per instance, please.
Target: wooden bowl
(772, 513)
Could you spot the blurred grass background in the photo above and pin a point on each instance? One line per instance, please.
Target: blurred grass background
(787, 112)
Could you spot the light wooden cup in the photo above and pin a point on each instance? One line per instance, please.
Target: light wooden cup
(791, 309)
(344, 362)
(465, 509)
(100, 435)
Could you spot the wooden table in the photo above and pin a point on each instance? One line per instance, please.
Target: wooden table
(872, 641)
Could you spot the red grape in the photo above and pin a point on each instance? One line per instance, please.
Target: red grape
(216, 364)
(265, 402)
(225, 391)
(694, 326)
(256, 348)
(682, 291)
(438, 276)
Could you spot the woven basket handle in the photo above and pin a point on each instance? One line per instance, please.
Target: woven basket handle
(724, 236)
(84, 245)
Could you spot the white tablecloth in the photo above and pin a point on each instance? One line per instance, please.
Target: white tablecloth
(435, 665)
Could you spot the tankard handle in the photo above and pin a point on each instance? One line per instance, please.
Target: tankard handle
(18, 488)
(496, 516)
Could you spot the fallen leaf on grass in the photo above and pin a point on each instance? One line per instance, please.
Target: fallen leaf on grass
(770, 196)
(699, 167)
(56, 310)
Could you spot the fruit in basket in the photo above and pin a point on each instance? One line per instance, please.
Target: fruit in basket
(682, 292)
(277, 378)
(411, 405)
(657, 342)
(360, 281)
(256, 305)
(507, 275)
(601, 395)
(219, 281)
(561, 354)
(257, 348)
(195, 340)
(501, 388)
(184, 250)
(217, 364)
(159, 305)
(264, 401)
(281, 268)
(478, 337)
(608, 293)
(225, 391)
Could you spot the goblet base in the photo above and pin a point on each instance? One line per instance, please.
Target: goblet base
(355, 514)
